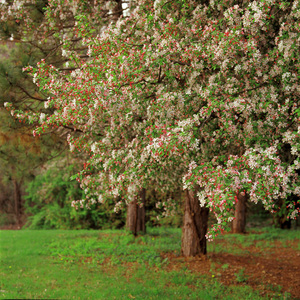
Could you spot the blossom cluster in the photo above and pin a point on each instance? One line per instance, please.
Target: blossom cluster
(258, 172)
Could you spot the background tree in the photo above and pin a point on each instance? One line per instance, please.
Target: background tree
(25, 39)
(21, 156)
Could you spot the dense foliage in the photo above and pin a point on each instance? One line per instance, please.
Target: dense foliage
(48, 202)
(50, 194)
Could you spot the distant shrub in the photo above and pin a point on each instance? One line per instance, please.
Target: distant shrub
(48, 202)
(156, 214)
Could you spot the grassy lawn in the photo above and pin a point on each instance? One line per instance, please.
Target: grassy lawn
(83, 264)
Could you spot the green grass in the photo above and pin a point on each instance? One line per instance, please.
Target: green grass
(44, 264)
(261, 238)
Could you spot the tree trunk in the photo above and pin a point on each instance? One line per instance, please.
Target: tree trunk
(239, 224)
(136, 214)
(117, 11)
(282, 220)
(195, 223)
(285, 223)
(18, 199)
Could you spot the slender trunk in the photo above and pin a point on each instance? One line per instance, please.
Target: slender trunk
(297, 222)
(18, 199)
(281, 220)
(136, 214)
(117, 11)
(195, 222)
(285, 223)
(239, 223)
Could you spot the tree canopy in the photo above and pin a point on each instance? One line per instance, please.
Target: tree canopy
(202, 95)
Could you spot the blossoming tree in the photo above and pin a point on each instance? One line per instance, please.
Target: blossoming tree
(203, 95)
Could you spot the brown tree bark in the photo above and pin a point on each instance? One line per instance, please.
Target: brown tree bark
(135, 221)
(18, 201)
(281, 220)
(284, 223)
(239, 224)
(195, 222)
(117, 11)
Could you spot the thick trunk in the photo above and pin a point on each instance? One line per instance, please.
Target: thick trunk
(18, 199)
(239, 223)
(195, 223)
(136, 214)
